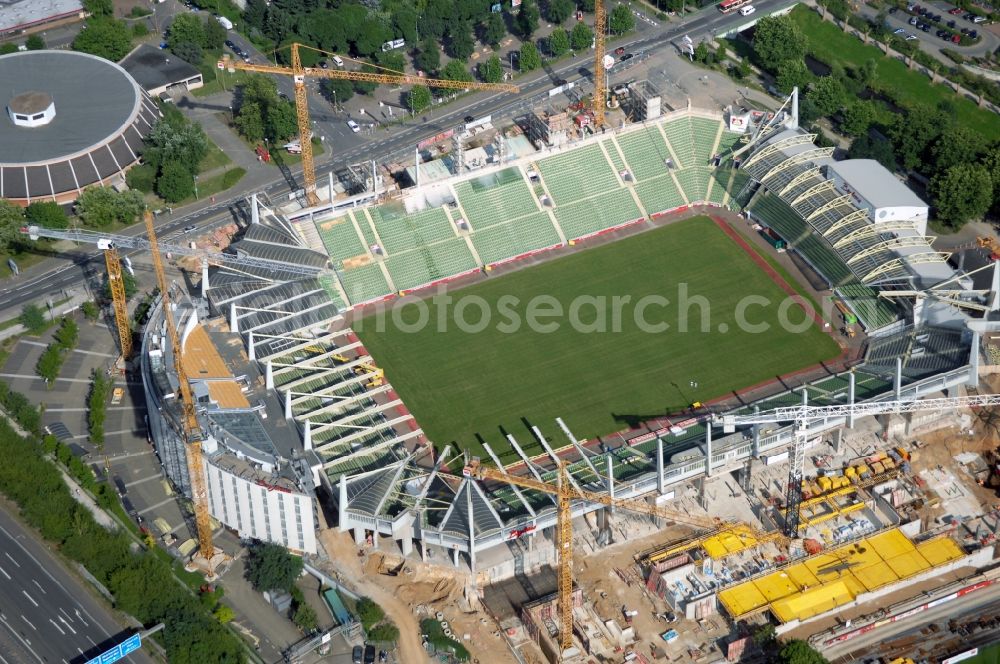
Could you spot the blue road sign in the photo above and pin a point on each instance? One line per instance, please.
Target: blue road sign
(114, 654)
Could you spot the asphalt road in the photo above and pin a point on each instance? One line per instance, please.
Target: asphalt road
(45, 614)
(351, 148)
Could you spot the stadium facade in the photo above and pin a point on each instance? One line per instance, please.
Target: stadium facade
(369, 456)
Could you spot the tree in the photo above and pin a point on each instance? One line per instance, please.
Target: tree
(384, 632)
(224, 613)
(621, 20)
(558, 42)
(90, 311)
(34, 43)
(491, 71)
(437, 15)
(581, 37)
(866, 147)
(141, 178)
(956, 145)
(175, 183)
(764, 635)
(8, 48)
(373, 34)
(962, 193)
(32, 318)
(776, 40)
(105, 38)
(527, 19)
(174, 138)
(460, 42)
(98, 207)
(419, 98)
(48, 365)
(336, 90)
(99, 7)
(828, 95)
(282, 123)
(792, 74)
(47, 214)
(67, 334)
(912, 133)
(456, 71)
(186, 28)
(587, 5)
(529, 59)
(305, 618)
(428, 58)
(11, 220)
(857, 117)
(213, 34)
(326, 28)
(797, 651)
(250, 122)
(369, 612)
(494, 30)
(188, 52)
(558, 11)
(270, 566)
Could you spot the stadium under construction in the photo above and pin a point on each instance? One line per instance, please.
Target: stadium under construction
(297, 406)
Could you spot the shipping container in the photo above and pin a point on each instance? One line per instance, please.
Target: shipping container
(849, 317)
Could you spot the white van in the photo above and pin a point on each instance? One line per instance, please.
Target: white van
(338, 60)
(226, 23)
(746, 11)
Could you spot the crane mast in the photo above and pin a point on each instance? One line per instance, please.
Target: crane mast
(802, 415)
(189, 420)
(600, 75)
(565, 492)
(116, 283)
(299, 75)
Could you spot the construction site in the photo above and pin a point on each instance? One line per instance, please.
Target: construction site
(828, 502)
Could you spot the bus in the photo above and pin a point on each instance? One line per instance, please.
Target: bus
(727, 6)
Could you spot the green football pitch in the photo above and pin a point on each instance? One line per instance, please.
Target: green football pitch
(466, 386)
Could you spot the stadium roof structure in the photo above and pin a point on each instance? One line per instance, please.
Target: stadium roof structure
(23, 14)
(101, 118)
(829, 226)
(875, 183)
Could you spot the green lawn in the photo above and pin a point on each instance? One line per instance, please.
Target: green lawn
(830, 44)
(987, 655)
(463, 386)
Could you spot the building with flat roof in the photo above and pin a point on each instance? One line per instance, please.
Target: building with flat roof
(159, 72)
(72, 120)
(877, 190)
(18, 16)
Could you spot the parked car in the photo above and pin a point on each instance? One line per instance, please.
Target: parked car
(956, 11)
(629, 56)
(355, 127)
(973, 34)
(188, 229)
(910, 37)
(898, 31)
(369, 654)
(358, 655)
(926, 28)
(893, 10)
(978, 19)
(951, 24)
(936, 18)
(956, 39)
(620, 50)
(337, 60)
(746, 11)
(914, 21)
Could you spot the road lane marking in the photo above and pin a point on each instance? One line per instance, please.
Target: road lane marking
(68, 626)
(4, 572)
(39, 586)
(56, 625)
(11, 559)
(30, 599)
(29, 622)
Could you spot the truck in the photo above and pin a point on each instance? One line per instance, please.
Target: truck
(850, 320)
(774, 239)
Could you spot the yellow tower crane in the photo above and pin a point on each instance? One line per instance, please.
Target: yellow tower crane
(117, 284)
(299, 75)
(189, 421)
(566, 492)
(600, 74)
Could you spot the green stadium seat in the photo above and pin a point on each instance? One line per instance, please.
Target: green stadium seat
(577, 174)
(616, 158)
(645, 152)
(583, 218)
(693, 182)
(340, 237)
(402, 232)
(364, 283)
(659, 194)
(494, 199)
(704, 132)
(681, 139)
(513, 238)
(874, 311)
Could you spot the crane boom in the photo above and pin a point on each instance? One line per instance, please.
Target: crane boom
(189, 419)
(133, 242)
(299, 75)
(807, 413)
(118, 300)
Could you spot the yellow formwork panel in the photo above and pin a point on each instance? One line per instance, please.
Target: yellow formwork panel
(801, 576)
(812, 602)
(890, 544)
(732, 540)
(940, 551)
(775, 586)
(741, 599)
(875, 576)
(908, 564)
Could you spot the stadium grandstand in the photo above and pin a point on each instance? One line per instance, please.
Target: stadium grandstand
(367, 451)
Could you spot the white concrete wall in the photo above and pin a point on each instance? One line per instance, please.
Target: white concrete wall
(255, 511)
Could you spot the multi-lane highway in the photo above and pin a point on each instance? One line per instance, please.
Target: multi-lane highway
(46, 616)
(351, 148)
